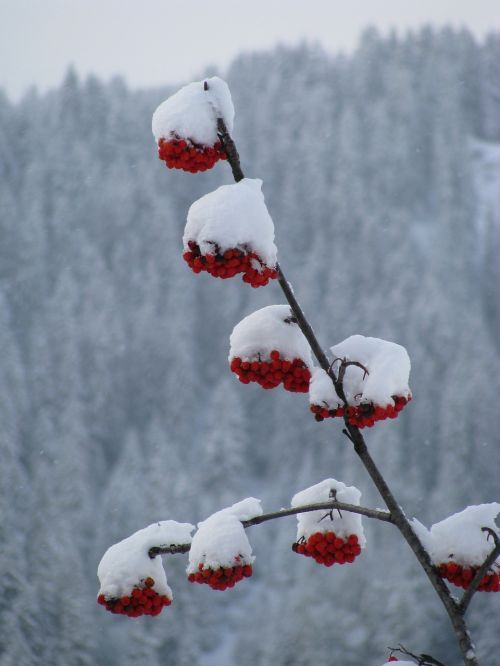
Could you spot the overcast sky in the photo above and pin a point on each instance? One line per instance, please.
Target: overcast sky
(151, 42)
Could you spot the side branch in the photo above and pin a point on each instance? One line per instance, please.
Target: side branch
(384, 516)
(481, 572)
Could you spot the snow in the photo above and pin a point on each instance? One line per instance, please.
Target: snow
(399, 663)
(322, 391)
(233, 216)
(314, 521)
(459, 538)
(125, 564)
(388, 365)
(265, 330)
(221, 537)
(192, 112)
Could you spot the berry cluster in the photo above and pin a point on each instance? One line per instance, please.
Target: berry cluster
(462, 576)
(184, 154)
(227, 264)
(364, 415)
(393, 659)
(222, 577)
(327, 548)
(141, 601)
(294, 375)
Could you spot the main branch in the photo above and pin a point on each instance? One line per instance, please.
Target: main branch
(397, 516)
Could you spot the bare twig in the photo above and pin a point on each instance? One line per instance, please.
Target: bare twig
(422, 659)
(481, 572)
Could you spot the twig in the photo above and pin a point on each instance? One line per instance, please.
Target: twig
(384, 516)
(422, 659)
(481, 572)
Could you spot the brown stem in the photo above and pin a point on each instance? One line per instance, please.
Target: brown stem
(384, 516)
(481, 572)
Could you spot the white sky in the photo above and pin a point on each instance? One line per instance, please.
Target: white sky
(151, 42)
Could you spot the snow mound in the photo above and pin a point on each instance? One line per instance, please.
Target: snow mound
(270, 328)
(127, 564)
(322, 391)
(192, 112)
(221, 540)
(459, 538)
(232, 217)
(388, 365)
(343, 525)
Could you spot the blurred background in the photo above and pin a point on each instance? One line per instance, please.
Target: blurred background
(376, 131)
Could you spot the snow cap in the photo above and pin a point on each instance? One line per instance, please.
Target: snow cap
(233, 216)
(127, 563)
(192, 112)
(314, 521)
(221, 537)
(322, 391)
(388, 365)
(265, 330)
(459, 538)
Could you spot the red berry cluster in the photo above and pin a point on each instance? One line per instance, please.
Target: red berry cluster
(364, 415)
(142, 601)
(222, 577)
(462, 576)
(227, 264)
(327, 548)
(393, 659)
(184, 154)
(294, 375)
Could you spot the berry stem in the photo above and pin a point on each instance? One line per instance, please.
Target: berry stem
(480, 573)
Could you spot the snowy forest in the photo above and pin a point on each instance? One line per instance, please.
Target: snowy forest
(381, 170)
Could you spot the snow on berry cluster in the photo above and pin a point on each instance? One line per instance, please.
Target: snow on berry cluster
(230, 231)
(458, 546)
(376, 391)
(401, 663)
(220, 554)
(329, 537)
(268, 348)
(132, 583)
(185, 125)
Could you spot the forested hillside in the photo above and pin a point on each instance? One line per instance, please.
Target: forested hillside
(381, 171)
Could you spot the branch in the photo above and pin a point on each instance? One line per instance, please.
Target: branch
(402, 523)
(229, 148)
(354, 434)
(384, 516)
(481, 572)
